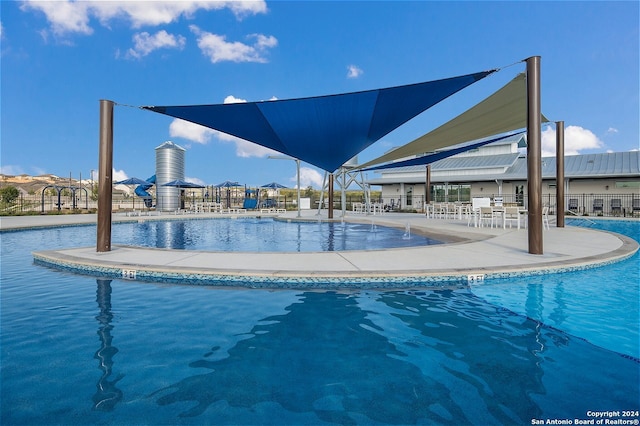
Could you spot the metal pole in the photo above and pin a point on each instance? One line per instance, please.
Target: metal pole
(560, 174)
(330, 212)
(105, 178)
(298, 177)
(534, 155)
(343, 192)
(427, 185)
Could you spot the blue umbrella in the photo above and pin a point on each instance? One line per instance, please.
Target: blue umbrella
(227, 184)
(135, 181)
(132, 181)
(273, 185)
(182, 184)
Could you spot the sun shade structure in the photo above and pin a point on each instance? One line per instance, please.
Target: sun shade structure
(325, 131)
(227, 184)
(504, 111)
(432, 158)
(183, 184)
(132, 181)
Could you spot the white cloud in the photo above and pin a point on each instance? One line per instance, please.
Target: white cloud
(353, 71)
(612, 130)
(195, 180)
(118, 175)
(1, 30)
(73, 16)
(247, 149)
(218, 49)
(190, 131)
(233, 100)
(145, 43)
(11, 170)
(308, 177)
(576, 139)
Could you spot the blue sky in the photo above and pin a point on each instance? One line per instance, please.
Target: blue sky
(59, 58)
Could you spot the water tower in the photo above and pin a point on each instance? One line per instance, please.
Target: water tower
(169, 166)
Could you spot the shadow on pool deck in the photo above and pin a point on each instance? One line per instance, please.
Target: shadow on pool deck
(470, 251)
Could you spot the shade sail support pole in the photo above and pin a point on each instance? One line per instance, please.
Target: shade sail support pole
(298, 178)
(560, 174)
(427, 185)
(105, 178)
(534, 155)
(330, 207)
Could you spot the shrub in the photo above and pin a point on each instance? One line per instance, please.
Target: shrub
(9, 194)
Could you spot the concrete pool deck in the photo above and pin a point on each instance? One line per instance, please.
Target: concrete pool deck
(471, 253)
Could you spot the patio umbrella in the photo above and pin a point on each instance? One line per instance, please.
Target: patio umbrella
(228, 184)
(273, 185)
(132, 181)
(276, 186)
(183, 184)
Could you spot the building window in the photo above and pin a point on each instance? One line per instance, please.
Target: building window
(628, 184)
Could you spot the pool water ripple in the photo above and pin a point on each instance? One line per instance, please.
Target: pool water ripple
(262, 235)
(601, 305)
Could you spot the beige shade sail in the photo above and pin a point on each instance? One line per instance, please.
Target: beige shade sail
(504, 111)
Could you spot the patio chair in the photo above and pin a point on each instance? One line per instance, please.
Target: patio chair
(598, 205)
(616, 206)
(450, 212)
(487, 215)
(511, 214)
(474, 213)
(573, 205)
(545, 217)
(635, 206)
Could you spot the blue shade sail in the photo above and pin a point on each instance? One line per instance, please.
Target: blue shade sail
(432, 158)
(325, 131)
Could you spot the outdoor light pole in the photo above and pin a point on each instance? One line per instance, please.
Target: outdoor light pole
(282, 157)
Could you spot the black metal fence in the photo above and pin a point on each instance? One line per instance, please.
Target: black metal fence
(624, 205)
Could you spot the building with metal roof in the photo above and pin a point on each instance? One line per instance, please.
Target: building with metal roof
(500, 170)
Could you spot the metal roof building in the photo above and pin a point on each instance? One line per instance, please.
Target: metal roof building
(501, 169)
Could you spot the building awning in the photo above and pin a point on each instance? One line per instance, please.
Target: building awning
(325, 131)
(504, 111)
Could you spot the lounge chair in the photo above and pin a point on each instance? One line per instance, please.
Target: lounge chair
(598, 205)
(573, 205)
(635, 206)
(616, 206)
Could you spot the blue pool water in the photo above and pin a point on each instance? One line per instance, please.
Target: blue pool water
(264, 235)
(604, 301)
(80, 350)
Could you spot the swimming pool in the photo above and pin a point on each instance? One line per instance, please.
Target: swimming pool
(80, 350)
(604, 301)
(264, 235)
